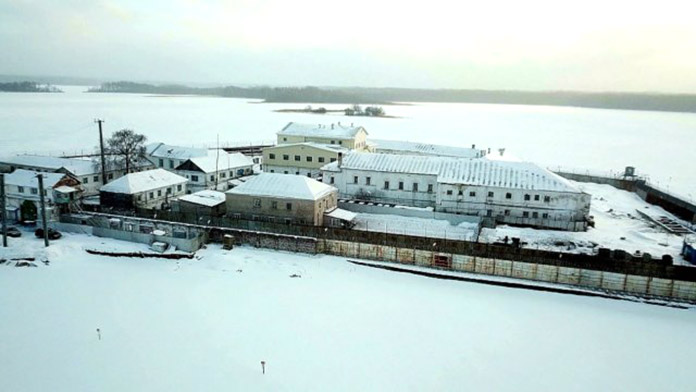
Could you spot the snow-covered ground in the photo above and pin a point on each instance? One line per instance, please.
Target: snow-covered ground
(206, 324)
(617, 226)
(434, 228)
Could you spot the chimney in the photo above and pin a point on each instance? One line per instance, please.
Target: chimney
(339, 123)
(332, 126)
(473, 146)
(489, 150)
(351, 125)
(340, 159)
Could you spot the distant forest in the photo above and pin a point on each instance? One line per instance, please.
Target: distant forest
(28, 87)
(368, 95)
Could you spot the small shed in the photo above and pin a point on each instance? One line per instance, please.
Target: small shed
(689, 249)
(204, 203)
(339, 218)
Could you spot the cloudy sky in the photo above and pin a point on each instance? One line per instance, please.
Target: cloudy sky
(533, 45)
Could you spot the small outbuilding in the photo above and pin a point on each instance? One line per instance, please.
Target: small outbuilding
(203, 203)
(285, 198)
(152, 189)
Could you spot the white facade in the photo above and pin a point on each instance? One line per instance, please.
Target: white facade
(507, 192)
(152, 189)
(214, 171)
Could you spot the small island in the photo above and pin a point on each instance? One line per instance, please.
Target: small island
(28, 87)
(355, 110)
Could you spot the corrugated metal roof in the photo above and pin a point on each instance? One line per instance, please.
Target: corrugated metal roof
(143, 181)
(481, 171)
(399, 146)
(336, 131)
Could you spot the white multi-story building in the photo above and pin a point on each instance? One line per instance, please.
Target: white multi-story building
(348, 136)
(520, 193)
(214, 170)
(169, 157)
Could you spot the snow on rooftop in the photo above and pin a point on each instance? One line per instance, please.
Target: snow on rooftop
(27, 178)
(424, 148)
(143, 181)
(206, 198)
(212, 162)
(342, 214)
(336, 131)
(482, 172)
(283, 186)
(161, 150)
(76, 167)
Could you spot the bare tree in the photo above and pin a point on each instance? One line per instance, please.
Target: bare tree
(127, 148)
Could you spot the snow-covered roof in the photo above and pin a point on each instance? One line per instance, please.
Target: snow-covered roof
(212, 163)
(206, 198)
(398, 146)
(288, 186)
(342, 214)
(27, 178)
(143, 181)
(336, 131)
(161, 150)
(76, 167)
(481, 171)
(321, 146)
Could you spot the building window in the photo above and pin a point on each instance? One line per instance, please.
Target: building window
(285, 172)
(169, 191)
(332, 180)
(340, 142)
(271, 156)
(536, 197)
(34, 191)
(525, 214)
(415, 187)
(527, 197)
(333, 142)
(212, 178)
(460, 193)
(223, 174)
(449, 192)
(333, 159)
(20, 189)
(430, 188)
(547, 199)
(489, 212)
(178, 188)
(535, 214)
(508, 195)
(472, 194)
(507, 212)
(401, 185)
(368, 180)
(152, 195)
(110, 176)
(285, 139)
(161, 162)
(297, 157)
(85, 180)
(257, 203)
(274, 205)
(309, 159)
(140, 197)
(386, 185)
(309, 175)
(194, 178)
(545, 215)
(286, 157)
(490, 194)
(297, 173)
(95, 179)
(355, 179)
(171, 164)
(288, 206)
(321, 159)
(272, 171)
(159, 193)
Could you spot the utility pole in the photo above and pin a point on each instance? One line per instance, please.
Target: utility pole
(4, 210)
(101, 151)
(43, 209)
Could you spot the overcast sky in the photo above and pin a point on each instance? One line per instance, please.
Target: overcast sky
(533, 45)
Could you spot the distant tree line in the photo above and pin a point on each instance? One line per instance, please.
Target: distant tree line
(28, 87)
(350, 95)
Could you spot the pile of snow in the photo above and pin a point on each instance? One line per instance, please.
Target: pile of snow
(318, 323)
(617, 226)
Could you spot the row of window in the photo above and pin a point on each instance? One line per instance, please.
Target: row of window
(151, 195)
(33, 191)
(274, 205)
(109, 176)
(298, 158)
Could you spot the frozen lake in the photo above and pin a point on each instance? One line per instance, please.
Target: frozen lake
(584, 139)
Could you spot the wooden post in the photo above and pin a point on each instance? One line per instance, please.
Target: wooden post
(101, 152)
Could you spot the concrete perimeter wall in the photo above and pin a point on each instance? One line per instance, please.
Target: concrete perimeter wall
(643, 286)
